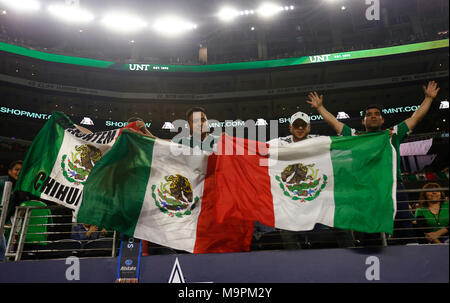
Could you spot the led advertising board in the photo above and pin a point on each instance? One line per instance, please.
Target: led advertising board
(143, 67)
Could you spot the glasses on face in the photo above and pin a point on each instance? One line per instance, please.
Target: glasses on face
(299, 124)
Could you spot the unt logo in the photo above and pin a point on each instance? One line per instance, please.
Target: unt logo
(138, 66)
(322, 58)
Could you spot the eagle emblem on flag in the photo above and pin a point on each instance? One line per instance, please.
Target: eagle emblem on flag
(301, 182)
(77, 166)
(174, 196)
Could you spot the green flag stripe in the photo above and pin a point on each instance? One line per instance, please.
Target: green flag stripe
(363, 195)
(41, 158)
(441, 175)
(412, 178)
(115, 190)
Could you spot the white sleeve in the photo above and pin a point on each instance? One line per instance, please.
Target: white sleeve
(274, 142)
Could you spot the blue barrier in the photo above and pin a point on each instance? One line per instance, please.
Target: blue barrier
(406, 264)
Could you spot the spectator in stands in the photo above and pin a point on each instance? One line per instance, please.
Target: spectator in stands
(201, 138)
(432, 216)
(300, 128)
(13, 174)
(199, 130)
(87, 232)
(373, 121)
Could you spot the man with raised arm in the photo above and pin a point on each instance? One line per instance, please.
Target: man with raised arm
(321, 236)
(373, 121)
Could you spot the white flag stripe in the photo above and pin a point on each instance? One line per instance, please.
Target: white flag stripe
(394, 174)
(297, 214)
(61, 173)
(161, 227)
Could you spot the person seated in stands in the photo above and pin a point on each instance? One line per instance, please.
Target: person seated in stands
(432, 217)
(13, 174)
(83, 231)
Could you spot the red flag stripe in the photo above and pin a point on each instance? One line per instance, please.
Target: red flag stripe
(231, 235)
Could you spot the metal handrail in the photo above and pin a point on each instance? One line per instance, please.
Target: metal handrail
(23, 214)
(19, 232)
(422, 190)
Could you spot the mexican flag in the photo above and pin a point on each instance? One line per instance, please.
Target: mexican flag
(161, 192)
(60, 159)
(343, 182)
(202, 202)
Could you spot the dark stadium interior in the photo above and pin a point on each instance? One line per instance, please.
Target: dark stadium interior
(314, 27)
(31, 88)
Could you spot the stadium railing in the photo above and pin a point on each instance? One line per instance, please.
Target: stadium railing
(36, 240)
(59, 244)
(40, 232)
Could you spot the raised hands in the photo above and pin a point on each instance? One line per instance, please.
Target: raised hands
(315, 100)
(142, 129)
(431, 90)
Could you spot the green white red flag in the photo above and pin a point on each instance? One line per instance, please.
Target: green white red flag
(161, 192)
(60, 159)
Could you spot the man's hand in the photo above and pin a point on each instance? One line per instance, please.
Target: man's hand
(142, 130)
(316, 101)
(91, 230)
(433, 237)
(431, 90)
(141, 125)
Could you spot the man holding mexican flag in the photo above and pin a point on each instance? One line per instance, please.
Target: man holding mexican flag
(373, 121)
(162, 192)
(141, 189)
(61, 157)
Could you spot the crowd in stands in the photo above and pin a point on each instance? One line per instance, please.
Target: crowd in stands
(417, 221)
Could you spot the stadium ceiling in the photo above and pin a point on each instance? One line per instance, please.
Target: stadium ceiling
(302, 23)
(204, 16)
